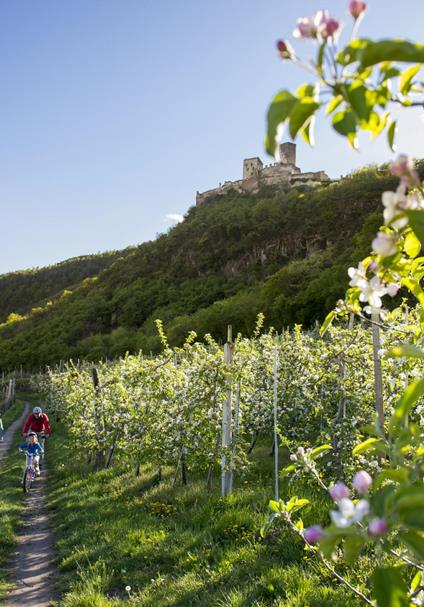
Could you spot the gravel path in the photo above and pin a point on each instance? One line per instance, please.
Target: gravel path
(33, 567)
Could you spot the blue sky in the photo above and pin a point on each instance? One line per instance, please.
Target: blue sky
(113, 113)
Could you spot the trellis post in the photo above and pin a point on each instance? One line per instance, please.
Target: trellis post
(227, 418)
(276, 488)
(378, 380)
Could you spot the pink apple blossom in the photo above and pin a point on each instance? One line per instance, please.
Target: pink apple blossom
(362, 481)
(357, 8)
(377, 526)
(313, 534)
(404, 168)
(339, 491)
(306, 28)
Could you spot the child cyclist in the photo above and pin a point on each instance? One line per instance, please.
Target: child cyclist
(33, 447)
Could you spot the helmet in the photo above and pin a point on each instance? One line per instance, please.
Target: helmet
(32, 433)
(37, 410)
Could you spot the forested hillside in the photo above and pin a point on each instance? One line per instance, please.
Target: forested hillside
(26, 289)
(227, 261)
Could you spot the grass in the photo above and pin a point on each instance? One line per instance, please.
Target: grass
(11, 495)
(176, 546)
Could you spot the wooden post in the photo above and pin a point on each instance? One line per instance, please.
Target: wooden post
(227, 418)
(235, 435)
(276, 488)
(378, 381)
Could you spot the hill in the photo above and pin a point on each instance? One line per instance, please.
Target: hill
(26, 289)
(283, 253)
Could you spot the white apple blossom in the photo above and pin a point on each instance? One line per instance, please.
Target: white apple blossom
(372, 292)
(358, 276)
(349, 513)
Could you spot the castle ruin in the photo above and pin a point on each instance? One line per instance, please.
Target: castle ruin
(283, 174)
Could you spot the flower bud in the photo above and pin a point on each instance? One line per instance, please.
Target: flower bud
(331, 26)
(293, 457)
(356, 8)
(313, 534)
(285, 49)
(339, 491)
(300, 451)
(377, 526)
(327, 26)
(362, 481)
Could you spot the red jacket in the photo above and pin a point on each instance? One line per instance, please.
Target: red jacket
(41, 424)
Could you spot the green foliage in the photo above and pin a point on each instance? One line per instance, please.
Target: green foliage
(21, 291)
(283, 253)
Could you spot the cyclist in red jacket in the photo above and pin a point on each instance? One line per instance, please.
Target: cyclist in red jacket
(38, 422)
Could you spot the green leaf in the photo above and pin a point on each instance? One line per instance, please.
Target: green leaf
(391, 50)
(371, 444)
(405, 350)
(389, 588)
(410, 506)
(414, 286)
(296, 504)
(352, 548)
(416, 221)
(275, 506)
(278, 112)
(369, 53)
(412, 245)
(344, 122)
(327, 322)
(306, 90)
(351, 53)
(392, 72)
(416, 581)
(287, 469)
(333, 104)
(415, 542)
(391, 132)
(413, 393)
(405, 82)
(318, 450)
(301, 114)
(327, 545)
(358, 99)
(307, 132)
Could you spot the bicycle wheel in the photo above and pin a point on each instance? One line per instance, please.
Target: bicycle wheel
(27, 480)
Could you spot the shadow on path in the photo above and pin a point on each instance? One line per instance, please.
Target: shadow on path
(33, 568)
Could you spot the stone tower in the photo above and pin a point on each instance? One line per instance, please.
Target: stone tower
(287, 153)
(252, 167)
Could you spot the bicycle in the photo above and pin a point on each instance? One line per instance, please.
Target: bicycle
(29, 471)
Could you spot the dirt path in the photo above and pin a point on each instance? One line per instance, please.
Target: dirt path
(33, 567)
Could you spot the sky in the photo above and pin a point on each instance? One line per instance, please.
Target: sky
(114, 112)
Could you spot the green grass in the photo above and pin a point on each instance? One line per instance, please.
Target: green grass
(11, 496)
(176, 546)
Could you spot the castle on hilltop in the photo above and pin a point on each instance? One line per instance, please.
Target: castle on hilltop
(284, 174)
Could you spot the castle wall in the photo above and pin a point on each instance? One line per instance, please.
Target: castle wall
(283, 174)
